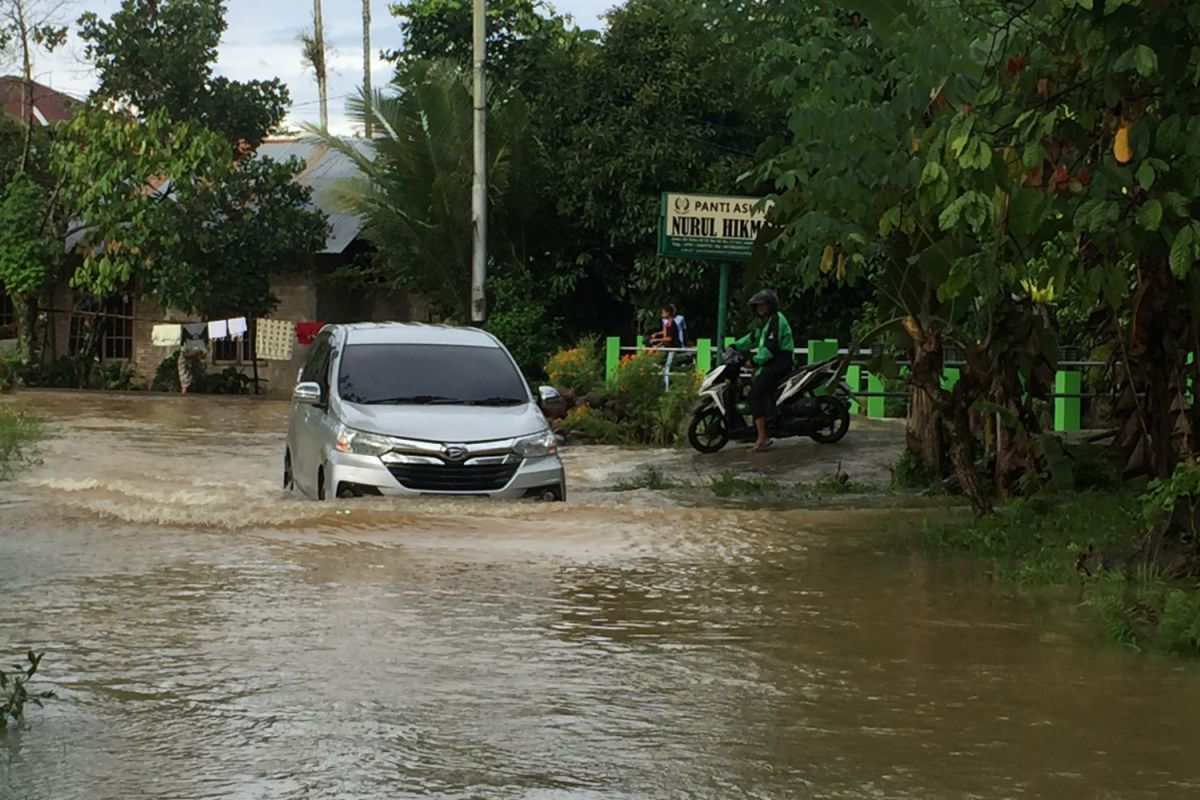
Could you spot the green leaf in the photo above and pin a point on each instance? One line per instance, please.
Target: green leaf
(1033, 155)
(931, 172)
(1183, 252)
(889, 221)
(1087, 5)
(1145, 176)
(1146, 60)
(1149, 216)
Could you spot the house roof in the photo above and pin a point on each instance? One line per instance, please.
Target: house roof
(49, 106)
(323, 166)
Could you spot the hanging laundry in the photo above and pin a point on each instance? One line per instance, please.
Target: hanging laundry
(218, 329)
(193, 336)
(274, 339)
(238, 327)
(307, 331)
(165, 335)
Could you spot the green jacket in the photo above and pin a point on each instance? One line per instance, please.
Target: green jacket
(771, 340)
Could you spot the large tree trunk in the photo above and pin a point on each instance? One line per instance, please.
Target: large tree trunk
(924, 434)
(26, 309)
(962, 455)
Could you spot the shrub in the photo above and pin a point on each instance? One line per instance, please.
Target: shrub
(17, 432)
(592, 424)
(640, 385)
(577, 368)
(116, 375)
(520, 319)
(14, 691)
(230, 380)
(10, 368)
(166, 376)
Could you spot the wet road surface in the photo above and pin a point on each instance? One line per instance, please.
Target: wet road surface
(210, 637)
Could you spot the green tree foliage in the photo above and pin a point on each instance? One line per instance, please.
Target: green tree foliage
(154, 54)
(191, 227)
(1039, 155)
(415, 184)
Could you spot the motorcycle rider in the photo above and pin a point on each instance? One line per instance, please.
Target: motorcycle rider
(770, 344)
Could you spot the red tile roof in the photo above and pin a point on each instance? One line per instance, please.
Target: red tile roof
(48, 105)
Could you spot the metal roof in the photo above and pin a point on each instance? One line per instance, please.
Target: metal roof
(323, 166)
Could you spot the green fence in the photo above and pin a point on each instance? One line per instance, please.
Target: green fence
(1068, 383)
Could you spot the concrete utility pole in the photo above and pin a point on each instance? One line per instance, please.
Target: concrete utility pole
(479, 186)
(369, 122)
(319, 62)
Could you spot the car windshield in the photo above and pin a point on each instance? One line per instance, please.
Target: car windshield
(429, 374)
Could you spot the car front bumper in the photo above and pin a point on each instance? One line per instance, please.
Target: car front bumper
(359, 474)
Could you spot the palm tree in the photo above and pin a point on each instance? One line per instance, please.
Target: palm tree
(414, 183)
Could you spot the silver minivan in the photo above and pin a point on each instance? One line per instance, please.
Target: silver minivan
(411, 409)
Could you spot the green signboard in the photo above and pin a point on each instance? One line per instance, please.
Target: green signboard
(709, 227)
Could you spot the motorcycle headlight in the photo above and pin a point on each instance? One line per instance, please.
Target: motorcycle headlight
(540, 444)
(363, 444)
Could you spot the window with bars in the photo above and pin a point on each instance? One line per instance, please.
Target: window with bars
(117, 343)
(234, 351)
(116, 338)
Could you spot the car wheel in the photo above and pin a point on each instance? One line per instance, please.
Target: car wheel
(289, 480)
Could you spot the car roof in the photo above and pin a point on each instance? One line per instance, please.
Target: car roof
(415, 333)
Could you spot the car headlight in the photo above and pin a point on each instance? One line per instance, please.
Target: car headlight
(540, 444)
(363, 444)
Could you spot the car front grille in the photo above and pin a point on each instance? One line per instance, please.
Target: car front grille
(453, 477)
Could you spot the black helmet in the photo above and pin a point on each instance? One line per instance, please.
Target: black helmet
(765, 296)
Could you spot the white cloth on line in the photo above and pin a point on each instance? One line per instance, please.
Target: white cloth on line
(165, 335)
(238, 327)
(218, 329)
(274, 339)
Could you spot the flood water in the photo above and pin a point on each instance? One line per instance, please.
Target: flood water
(209, 637)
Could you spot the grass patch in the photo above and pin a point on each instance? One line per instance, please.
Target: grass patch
(1037, 539)
(18, 432)
(1083, 538)
(645, 478)
(730, 484)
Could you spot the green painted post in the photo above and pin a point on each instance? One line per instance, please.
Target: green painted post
(729, 340)
(703, 355)
(821, 349)
(640, 344)
(722, 300)
(854, 378)
(950, 376)
(875, 405)
(1067, 410)
(612, 358)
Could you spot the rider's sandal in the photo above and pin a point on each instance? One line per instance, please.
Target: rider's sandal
(758, 448)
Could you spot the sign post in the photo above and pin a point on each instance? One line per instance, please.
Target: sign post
(705, 227)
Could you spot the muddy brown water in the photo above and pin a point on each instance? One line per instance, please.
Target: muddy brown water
(210, 637)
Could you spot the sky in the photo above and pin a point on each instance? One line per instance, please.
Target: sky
(261, 43)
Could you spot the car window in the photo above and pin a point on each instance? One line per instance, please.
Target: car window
(429, 374)
(316, 366)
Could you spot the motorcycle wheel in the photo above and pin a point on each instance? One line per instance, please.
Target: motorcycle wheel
(708, 432)
(839, 413)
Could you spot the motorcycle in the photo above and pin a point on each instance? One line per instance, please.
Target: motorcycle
(722, 414)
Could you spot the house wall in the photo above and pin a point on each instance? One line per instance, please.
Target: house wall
(303, 296)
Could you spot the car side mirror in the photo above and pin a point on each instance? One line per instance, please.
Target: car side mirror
(307, 394)
(548, 396)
